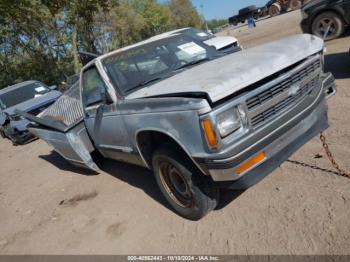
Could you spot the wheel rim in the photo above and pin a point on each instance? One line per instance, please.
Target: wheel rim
(294, 5)
(326, 28)
(175, 184)
(274, 11)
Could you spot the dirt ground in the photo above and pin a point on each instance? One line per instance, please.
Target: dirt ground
(50, 207)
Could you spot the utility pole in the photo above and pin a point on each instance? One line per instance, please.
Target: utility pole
(205, 22)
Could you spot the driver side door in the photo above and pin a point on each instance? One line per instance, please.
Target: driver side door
(103, 120)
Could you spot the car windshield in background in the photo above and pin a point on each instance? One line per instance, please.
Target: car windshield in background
(22, 94)
(198, 34)
(142, 65)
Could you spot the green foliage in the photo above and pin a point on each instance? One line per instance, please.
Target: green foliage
(40, 39)
(183, 14)
(216, 23)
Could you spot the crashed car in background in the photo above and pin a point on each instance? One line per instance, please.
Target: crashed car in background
(30, 96)
(327, 19)
(221, 43)
(198, 118)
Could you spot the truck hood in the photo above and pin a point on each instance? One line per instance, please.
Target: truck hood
(221, 42)
(224, 76)
(34, 103)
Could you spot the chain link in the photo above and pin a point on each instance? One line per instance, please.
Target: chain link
(339, 172)
(331, 158)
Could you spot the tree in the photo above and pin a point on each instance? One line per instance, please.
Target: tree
(183, 14)
(40, 39)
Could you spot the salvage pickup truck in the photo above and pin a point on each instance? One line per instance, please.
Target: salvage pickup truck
(200, 120)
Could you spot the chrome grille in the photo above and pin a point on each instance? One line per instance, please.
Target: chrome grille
(266, 95)
(262, 99)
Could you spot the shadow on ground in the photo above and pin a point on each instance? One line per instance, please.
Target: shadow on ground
(59, 162)
(133, 175)
(338, 64)
(227, 197)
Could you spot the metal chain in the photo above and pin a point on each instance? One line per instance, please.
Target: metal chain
(330, 156)
(312, 166)
(340, 172)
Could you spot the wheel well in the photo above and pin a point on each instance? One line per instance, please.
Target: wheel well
(149, 141)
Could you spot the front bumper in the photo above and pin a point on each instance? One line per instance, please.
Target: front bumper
(17, 132)
(278, 146)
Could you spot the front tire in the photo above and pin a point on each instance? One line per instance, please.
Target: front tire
(328, 26)
(191, 194)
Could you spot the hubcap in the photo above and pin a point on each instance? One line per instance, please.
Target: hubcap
(326, 28)
(175, 184)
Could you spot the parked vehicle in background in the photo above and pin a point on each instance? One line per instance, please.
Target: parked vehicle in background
(198, 118)
(30, 96)
(244, 14)
(327, 19)
(221, 43)
(276, 7)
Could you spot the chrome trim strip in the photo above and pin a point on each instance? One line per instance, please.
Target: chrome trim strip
(118, 148)
(279, 98)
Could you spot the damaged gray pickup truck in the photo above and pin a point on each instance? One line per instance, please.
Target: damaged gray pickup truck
(198, 119)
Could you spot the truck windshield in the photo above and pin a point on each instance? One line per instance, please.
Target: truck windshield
(139, 66)
(22, 94)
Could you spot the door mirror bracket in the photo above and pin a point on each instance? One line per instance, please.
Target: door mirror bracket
(106, 98)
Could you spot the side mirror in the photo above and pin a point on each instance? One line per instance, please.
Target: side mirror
(54, 87)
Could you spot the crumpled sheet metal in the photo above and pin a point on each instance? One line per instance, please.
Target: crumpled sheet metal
(67, 109)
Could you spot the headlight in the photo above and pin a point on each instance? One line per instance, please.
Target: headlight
(228, 122)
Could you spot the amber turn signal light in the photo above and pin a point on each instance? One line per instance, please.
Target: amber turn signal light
(251, 162)
(210, 134)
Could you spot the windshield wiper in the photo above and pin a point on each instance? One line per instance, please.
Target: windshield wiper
(146, 82)
(192, 63)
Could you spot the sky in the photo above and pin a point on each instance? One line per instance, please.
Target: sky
(222, 9)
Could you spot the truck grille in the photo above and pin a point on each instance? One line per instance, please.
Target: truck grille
(267, 95)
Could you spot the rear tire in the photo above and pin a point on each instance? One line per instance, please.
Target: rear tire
(328, 26)
(274, 9)
(190, 193)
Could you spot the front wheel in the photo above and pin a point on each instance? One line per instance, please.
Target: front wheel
(191, 194)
